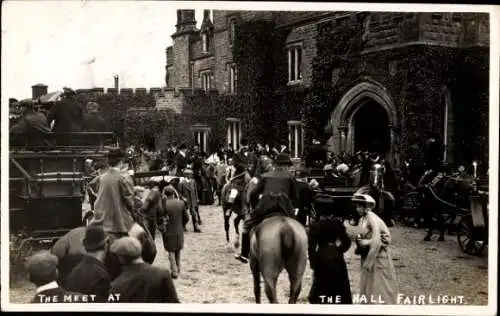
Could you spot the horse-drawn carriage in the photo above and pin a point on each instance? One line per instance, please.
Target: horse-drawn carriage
(47, 187)
(332, 196)
(446, 200)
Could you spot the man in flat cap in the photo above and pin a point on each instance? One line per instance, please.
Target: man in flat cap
(140, 282)
(189, 193)
(42, 269)
(90, 275)
(114, 206)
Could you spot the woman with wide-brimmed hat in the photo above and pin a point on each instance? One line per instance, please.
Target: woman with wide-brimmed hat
(378, 276)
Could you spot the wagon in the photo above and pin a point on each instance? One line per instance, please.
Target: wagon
(46, 188)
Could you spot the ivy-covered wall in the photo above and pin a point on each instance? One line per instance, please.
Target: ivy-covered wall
(414, 77)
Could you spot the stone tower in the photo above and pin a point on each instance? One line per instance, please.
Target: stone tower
(185, 29)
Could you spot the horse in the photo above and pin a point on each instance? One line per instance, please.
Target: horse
(443, 199)
(236, 206)
(278, 242)
(384, 199)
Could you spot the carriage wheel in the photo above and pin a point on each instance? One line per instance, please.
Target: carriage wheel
(466, 238)
(409, 209)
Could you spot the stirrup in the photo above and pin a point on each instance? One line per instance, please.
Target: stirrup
(241, 258)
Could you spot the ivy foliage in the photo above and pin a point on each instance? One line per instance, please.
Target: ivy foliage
(114, 109)
(339, 48)
(258, 51)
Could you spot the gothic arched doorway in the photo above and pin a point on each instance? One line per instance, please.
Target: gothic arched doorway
(371, 127)
(364, 118)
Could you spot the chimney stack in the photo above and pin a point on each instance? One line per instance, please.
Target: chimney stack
(206, 15)
(116, 83)
(38, 90)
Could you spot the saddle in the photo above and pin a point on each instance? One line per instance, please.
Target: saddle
(274, 204)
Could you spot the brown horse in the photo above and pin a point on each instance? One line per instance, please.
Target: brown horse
(278, 243)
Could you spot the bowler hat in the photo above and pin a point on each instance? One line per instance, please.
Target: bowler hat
(115, 153)
(127, 247)
(283, 159)
(95, 238)
(364, 199)
(42, 264)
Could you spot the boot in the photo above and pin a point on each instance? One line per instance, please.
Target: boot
(196, 228)
(245, 248)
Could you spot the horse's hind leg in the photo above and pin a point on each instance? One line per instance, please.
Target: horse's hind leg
(236, 223)
(270, 287)
(295, 288)
(296, 269)
(254, 266)
(226, 224)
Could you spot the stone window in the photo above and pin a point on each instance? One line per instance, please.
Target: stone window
(232, 31)
(233, 78)
(191, 75)
(233, 132)
(295, 138)
(200, 135)
(294, 64)
(206, 80)
(205, 42)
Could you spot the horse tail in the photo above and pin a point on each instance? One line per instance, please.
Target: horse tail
(287, 241)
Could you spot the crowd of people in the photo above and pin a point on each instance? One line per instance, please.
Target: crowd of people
(114, 253)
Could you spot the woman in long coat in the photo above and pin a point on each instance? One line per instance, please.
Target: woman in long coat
(378, 276)
(328, 242)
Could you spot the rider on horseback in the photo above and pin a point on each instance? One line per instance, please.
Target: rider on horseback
(276, 191)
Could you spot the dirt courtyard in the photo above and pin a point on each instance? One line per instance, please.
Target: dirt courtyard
(210, 274)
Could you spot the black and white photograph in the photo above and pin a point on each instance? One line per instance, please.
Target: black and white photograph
(194, 156)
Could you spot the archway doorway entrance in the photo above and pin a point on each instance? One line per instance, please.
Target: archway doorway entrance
(364, 118)
(371, 127)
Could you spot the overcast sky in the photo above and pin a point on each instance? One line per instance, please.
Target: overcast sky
(82, 44)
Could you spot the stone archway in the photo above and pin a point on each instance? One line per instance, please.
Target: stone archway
(343, 117)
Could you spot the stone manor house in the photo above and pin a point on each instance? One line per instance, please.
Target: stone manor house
(370, 110)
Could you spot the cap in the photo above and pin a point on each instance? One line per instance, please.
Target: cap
(127, 247)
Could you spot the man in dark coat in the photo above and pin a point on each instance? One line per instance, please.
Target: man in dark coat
(316, 155)
(67, 114)
(151, 208)
(246, 157)
(279, 195)
(42, 270)
(32, 128)
(90, 275)
(181, 160)
(175, 211)
(140, 282)
(189, 193)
